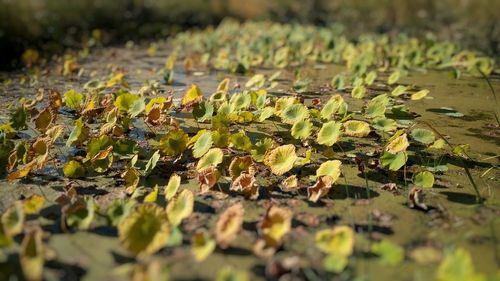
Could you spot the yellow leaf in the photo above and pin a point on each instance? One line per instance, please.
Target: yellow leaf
(180, 207)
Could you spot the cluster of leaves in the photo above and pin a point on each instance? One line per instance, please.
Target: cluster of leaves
(239, 47)
(137, 134)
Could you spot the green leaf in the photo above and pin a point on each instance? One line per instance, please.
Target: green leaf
(137, 107)
(424, 179)
(329, 133)
(203, 111)
(73, 99)
(202, 144)
(394, 161)
(423, 136)
(73, 170)
(388, 252)
(152, 162)
(458, 266)
(18, 119)
(125, 101)
(358, 92)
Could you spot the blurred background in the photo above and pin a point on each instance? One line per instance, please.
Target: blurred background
(53, 25)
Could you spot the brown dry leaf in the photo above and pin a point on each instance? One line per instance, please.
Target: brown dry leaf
(207, 178)
(241, 164)
(247, 185)
(155, 116)
(44, 119)
(55, 99)
(320, 188)
(275, 224)
(229, 225)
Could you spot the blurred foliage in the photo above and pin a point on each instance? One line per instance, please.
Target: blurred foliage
(54, 24)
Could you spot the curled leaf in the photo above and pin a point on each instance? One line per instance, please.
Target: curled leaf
(229, 225)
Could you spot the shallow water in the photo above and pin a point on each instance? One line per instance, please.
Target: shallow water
(454, 220)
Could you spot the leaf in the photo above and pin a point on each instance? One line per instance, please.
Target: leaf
(256, 81)
(202, 144)
(78, 133)
(458, 266)
(289, 184)
(152, 196)
(33, 204)
(385, 124)
(192, 96)
(329, 133)
(301, 129)
(32, 255)
(294, 113)
(399, 90)
(151, 164)
(174, 142)
(180, 207)
(424, 179)
(145, 230)
(398, 144)
(320, 189)
(329, 168)
(389, 252)
(241, 141)
(394, 161)
(337, 241)
(260, 148)
(375, 109)
(202, 246)
(281, 159)
(125, 101)
(44, 119)
(118, 210)
(74, 170)
(173, 185)
(334, 263)
(18, 118)
(355, 128)
(247, 185)
(420, 94)
(203, 111)
(73, 99)
(229, 225)
(13, 219)
(423, 136)
(207, 178)
(213, 157)
(394, 77)
(137, 107)
(80, 213)
(275, 224)
(358, 92)
(228, 273)
(131, 177)
(241, 164)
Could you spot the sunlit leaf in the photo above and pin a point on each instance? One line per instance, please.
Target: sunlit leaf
(338, 241)
(173, 185)
(302, 129)
(207, 178)
(152, 196)
(398, 144)
(202, 144)
(246, 184)
(74, 169)
(458, 266)
(294, 113)
(275, 224)
(423, 136)
(329, 133)
(73, 99)
(281, 159)
(420, 94)
(241, 164)
(320, 189)
(355, 128)
(424, 179)
(33, 204)
(193, 95)
(180, 207)
(213, 157)
(394, 161)
(358, 92)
